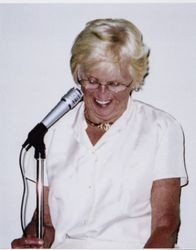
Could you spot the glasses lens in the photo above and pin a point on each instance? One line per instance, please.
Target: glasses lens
(116, 88)
(93, 83)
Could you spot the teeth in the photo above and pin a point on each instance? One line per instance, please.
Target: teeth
(102, 102)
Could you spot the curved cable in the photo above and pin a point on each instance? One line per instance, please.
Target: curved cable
(25, 192)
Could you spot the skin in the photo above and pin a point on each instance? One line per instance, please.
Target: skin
(30, 240)
(165, 194)
(95, 110)
(165, 202)
(110, 112)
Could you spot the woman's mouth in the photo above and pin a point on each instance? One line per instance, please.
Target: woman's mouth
(103, 103)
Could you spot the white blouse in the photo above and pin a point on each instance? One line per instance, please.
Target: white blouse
(100, 195)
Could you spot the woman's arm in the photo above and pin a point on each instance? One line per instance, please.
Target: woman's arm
(49, 231)
(30, 240)
(165, 202)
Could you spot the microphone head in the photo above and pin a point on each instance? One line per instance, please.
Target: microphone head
(67, 102)
(73, 97)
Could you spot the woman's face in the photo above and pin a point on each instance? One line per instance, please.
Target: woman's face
(101, 104)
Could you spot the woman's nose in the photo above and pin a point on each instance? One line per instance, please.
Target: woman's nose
(103, 88)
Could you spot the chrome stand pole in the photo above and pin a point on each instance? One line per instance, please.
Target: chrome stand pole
(40, 197)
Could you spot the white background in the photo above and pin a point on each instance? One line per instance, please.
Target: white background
(35, 42)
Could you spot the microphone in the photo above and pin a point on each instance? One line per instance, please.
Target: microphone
(35, 136)
(67, 102)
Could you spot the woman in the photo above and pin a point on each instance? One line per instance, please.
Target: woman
(115, 165)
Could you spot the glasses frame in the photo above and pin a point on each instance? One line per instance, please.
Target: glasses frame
(94, 86)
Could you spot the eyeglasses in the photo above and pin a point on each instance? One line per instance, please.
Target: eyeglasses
(93, 83)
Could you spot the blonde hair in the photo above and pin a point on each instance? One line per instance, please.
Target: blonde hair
(114, 40)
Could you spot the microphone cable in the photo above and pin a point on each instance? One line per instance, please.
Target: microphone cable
(25, 193)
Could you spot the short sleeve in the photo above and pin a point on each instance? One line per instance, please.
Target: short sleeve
(170, 158)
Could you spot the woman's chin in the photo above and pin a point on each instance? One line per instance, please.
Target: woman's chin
(104, 114)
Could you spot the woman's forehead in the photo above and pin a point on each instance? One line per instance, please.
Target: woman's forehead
(106, 70)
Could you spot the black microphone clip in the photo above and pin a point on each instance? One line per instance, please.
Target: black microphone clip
(36, 139)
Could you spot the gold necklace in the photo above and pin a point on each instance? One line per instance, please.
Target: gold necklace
(103, 126)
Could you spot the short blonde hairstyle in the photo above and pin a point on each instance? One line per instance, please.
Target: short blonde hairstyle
(114, 40)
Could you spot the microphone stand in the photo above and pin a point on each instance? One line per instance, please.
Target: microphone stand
(40, 197)
(36, 139)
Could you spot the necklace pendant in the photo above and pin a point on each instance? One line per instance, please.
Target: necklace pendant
(104, 126)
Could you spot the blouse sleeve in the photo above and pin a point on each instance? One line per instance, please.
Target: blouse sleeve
(170, 158)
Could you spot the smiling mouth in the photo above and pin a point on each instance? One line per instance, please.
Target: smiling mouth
(103, 102)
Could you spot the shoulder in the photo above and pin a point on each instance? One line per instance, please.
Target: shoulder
(155, 117)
